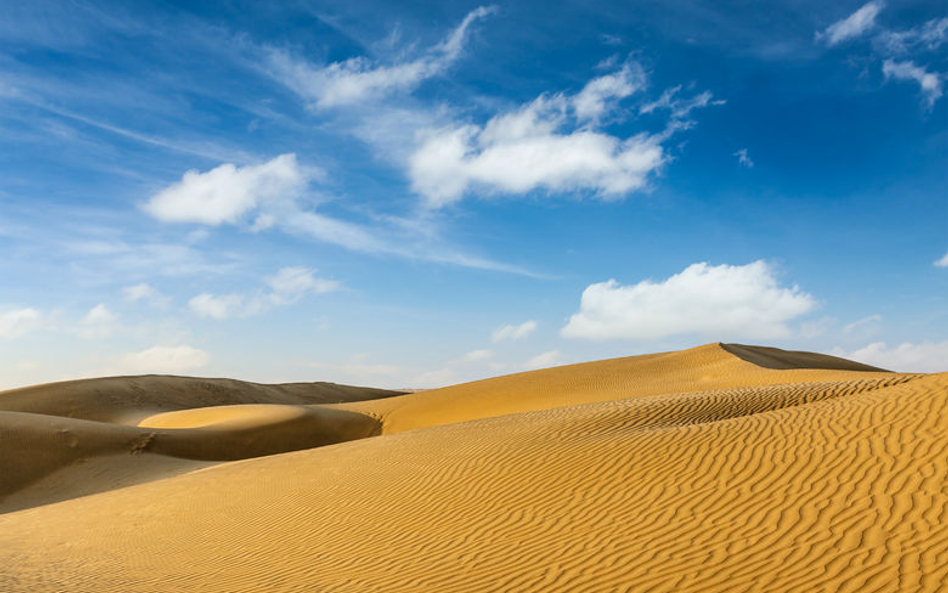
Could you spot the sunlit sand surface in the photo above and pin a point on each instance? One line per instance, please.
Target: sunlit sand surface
(720, 468)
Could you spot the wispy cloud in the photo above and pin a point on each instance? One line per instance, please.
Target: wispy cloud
(716, 301)
(286, 287)
(513, 332)
(850, 327)
(359, 79)
(680, 107)
(852, 26)
(928, 36)
(743, 158)
(19, 322)
(925, 357)
(600, 94)
(943, 262)
(545, 359)
(165, 359)
(929, 82)
(267, 195)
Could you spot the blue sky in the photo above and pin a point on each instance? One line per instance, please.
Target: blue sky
(427, 193)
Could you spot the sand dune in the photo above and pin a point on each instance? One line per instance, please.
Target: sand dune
(128, 400)
(700, 470)
(52, 436)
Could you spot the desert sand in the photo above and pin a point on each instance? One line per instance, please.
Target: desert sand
(719, 468)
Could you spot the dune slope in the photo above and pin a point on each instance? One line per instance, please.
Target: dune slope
(712, 366)
(128, 400)
(809, 480)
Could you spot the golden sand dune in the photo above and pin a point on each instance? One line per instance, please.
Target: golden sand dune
(50, 451)
(128, 400)
(713, 366)
(692, 471)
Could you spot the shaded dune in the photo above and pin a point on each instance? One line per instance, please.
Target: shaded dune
(834, 485)
(128, 400)
(36, 446)
(775, 358)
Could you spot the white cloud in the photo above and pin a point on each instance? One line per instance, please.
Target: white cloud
(19, 322)
(861, 323)
(98, 316)
(523, 151)
(223, 306)
(943, 262)
(927, 357)
(595, 99)
(228, 192)
(514, 332)
(852, 26)
(928, 82)
(287, 286)
(263, 196)
(145, 292)
(138, 292)
(359, 79)
(721, 301)
(165, 359)
(97, 322)
(476, 356)
(743, 159)
(546, 359)
(292, 283)
(554, 143)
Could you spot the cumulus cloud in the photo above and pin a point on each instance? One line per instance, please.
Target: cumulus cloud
(514, 332)
(19, 322)
(546, 359)
(165, 359)
(926, 357)
(720, 301)
(526, 150)
(554, 143)
(743, 159)
(358, 79)
(929, 82)
(286, 287)
(227, 193)
(943, 262)
(852, 26)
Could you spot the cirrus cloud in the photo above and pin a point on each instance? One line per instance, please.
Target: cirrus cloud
(852, 26)
(358, 79)
(720, 301)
